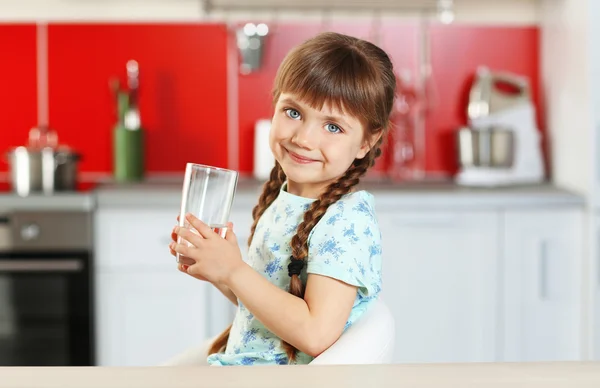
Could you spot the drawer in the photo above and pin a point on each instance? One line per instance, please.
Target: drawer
(137, 239)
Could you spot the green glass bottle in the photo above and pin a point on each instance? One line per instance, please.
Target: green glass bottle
(128, 146)
(128, 154)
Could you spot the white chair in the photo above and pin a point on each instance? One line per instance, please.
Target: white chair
(370, 340)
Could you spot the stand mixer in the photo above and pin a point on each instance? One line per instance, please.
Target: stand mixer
(502, 144)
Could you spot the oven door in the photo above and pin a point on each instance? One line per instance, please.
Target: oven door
(45, 309)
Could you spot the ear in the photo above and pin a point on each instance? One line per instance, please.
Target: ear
(368, 143)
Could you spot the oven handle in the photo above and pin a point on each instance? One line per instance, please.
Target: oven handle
(37, 265)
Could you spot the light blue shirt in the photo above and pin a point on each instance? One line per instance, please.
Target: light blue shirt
(345, 245)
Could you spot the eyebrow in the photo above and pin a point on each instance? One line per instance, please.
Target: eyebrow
(329, 118)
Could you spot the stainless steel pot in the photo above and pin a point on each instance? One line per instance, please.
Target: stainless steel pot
(490, 147)
(44, 170)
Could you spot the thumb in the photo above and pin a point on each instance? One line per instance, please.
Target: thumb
(230, 236)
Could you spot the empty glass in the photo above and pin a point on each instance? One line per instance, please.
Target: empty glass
(208, 194)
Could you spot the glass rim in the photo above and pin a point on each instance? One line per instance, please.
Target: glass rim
(207, 167)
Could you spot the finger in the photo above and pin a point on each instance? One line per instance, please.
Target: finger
(182, 259)
(204, 230)
(188, 235)
(230, 236)
(183, 249)
(186, 260)
(185, 269)
(194, 271)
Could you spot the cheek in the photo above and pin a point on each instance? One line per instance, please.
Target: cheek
(272, 141)
(276, 135)
(340, 153)
(277, 128)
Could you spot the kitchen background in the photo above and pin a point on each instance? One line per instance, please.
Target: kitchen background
(474, 274)
(184, 101)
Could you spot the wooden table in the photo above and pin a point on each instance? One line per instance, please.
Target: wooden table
(496, 375)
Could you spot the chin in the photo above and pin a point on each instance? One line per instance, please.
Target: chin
(303, 178)
(298, 175)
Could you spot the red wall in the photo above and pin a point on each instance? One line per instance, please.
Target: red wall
(18, 86)
(182, 90)
(183, 70)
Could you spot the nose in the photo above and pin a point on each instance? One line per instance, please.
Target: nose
(305, 137)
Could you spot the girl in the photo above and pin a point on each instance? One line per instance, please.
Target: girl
(314, 260)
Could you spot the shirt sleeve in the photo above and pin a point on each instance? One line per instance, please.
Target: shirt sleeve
(346, 245)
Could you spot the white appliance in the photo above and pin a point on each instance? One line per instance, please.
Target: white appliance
(263, 157)
(502, 145)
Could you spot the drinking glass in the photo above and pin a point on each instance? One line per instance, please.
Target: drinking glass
(208, 194)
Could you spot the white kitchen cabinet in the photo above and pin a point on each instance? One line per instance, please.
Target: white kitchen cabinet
(146, 310)
(144, 318)
(463, 285)
(440, 281)
(594, 243)
(570, 67)
(594, 278)
(542, 264)
(134, 238)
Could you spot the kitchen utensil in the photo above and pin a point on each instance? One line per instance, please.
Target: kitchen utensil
(208, 194)
(41, 137)
(42, 165)
(46, 170)
(490, 147)
(250, 42)
(404, 166)
(496, 91)
(502, 144)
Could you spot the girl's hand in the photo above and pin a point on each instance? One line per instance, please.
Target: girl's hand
(184, 262)
(214, 258)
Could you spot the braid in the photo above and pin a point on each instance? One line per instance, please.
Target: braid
(269, 194)
(315, 212)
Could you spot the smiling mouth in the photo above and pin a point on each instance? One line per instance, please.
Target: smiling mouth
(299, 158)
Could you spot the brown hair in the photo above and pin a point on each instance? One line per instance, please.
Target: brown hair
(355, 77)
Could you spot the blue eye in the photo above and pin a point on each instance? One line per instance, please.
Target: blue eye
(332, 128)
(292, 113)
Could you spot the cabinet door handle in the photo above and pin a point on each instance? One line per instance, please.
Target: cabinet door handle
(543, 270)
(598, 258)
(41, 265)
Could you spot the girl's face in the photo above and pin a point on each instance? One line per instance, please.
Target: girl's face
(314, 147)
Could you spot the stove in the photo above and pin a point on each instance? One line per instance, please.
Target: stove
(46, 283)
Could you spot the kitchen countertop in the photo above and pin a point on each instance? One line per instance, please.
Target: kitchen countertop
(166, 192)
(81, 200)
(387, 195)
(496, 375)
(75, 201)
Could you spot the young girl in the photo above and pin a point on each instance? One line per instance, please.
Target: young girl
(314, 260)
